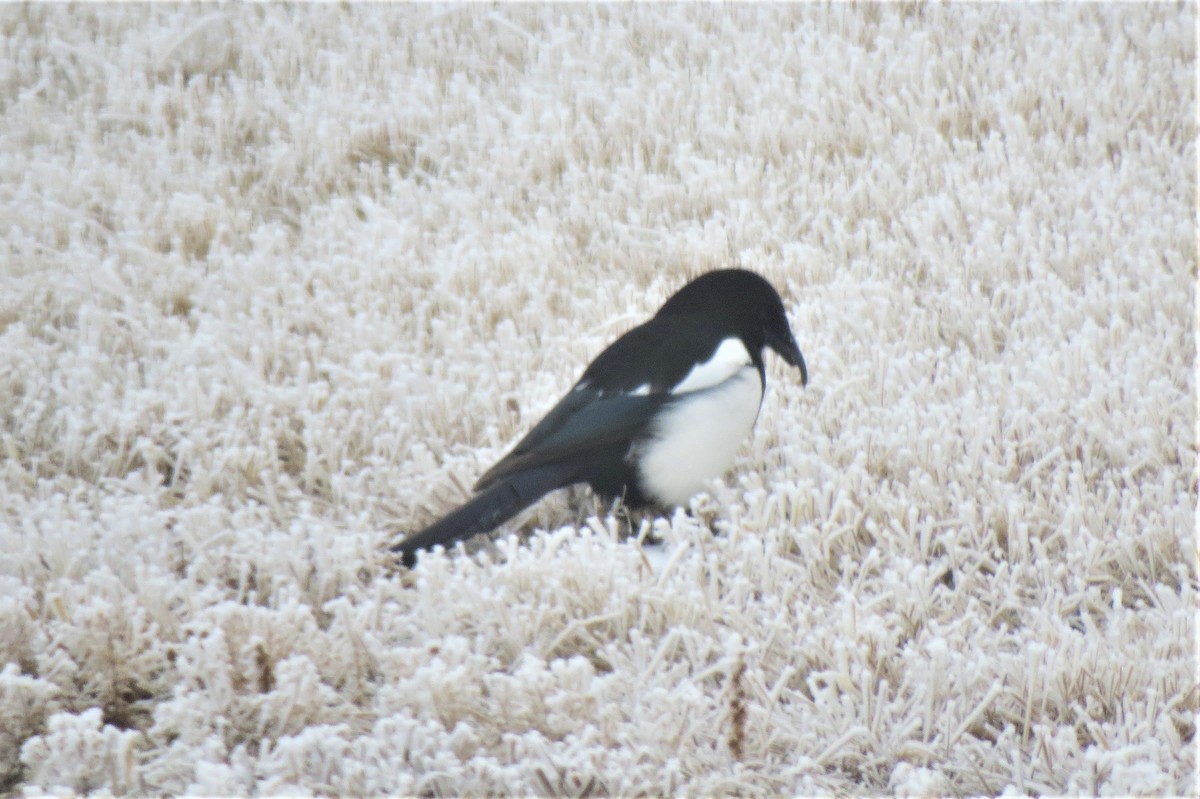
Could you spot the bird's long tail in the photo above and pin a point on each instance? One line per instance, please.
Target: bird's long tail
(493, 506)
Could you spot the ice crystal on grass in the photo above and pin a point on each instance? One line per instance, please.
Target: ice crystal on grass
(277, 285)
(79, 753)
(24, 707)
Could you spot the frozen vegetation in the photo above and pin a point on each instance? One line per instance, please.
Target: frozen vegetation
(277, 283)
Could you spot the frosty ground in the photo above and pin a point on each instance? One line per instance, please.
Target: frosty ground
(279, 283)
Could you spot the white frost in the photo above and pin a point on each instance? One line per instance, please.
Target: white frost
(277, 283)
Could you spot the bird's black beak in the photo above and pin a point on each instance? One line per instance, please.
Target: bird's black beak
(790, 352)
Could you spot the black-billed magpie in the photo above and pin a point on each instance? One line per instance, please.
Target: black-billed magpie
(661, 411)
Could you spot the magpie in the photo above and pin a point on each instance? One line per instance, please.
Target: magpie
(655, 416)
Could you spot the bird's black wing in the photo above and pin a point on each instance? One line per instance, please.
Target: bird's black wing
(621, 391)
(585, 421)
(564, 448)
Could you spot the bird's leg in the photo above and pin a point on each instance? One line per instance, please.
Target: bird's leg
(621, 512)
(583, 503)
(704, 509)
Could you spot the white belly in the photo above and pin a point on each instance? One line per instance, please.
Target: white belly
(696, 440)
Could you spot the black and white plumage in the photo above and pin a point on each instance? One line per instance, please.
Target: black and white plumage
(655, 416)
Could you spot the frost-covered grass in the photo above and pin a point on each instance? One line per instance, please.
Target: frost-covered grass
(277, 283)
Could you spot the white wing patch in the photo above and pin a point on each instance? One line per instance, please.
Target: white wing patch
(729, 357)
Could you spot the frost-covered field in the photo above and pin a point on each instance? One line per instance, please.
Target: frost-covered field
(277, 284)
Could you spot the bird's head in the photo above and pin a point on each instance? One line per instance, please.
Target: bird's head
(749, 304)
